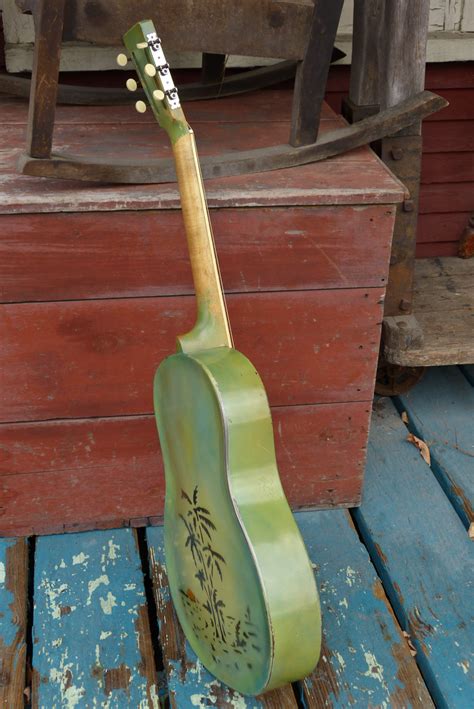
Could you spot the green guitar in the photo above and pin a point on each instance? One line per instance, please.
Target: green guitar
(240, 578)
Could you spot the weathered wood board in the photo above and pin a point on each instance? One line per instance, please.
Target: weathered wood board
(91, 634)
(268, 249)
(369, 646)
(13, 620)
(423, 556)
(443, 305)
(365, 659)
(440, 411)
(78, 359)
(48, 469)
(189, 683)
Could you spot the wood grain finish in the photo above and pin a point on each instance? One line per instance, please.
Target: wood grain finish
(444, 309)
(89, 589)
(79, 359)
(426, 567)
(48, 469)
(13, 620)
(111, 255)
(361, 634)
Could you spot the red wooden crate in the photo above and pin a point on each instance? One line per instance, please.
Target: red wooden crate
(95, 285)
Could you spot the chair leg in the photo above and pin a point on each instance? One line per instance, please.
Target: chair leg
(44, 83)
(213, 68)
(312, 73)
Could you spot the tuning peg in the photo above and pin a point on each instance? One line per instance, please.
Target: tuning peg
(150, 69)
(131, 85)
(142, 45)
(122, 59)
(140, 106)
(158, 95)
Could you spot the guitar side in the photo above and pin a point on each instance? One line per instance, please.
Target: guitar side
(241, 580)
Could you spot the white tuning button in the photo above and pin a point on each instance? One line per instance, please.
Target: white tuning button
(158, 95)
(150, 70)
(140, 106)
(142, 45)
(131, 85)
(122, 60)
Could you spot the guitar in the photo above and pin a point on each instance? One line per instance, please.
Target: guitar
(240, 577)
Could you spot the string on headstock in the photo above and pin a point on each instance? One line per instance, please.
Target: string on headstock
(146, 52)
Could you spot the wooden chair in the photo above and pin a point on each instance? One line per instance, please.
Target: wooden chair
(265, 28)
(298, 31)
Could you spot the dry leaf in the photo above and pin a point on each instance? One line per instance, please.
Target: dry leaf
(404, 417)
(422, 447)
(471, 531)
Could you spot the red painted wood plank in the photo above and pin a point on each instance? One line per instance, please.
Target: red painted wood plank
(447, 167)
(441, 227)
(439, 248)
(448, 136)
(450, 75)
(110, 470)
(447, 197)
(461, 105)
(443, 75)
(122, 254)
(97, 358)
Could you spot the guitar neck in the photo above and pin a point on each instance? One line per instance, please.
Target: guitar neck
(212, 328)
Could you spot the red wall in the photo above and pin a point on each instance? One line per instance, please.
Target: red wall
(447, 191)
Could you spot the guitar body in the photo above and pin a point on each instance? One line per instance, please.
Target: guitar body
(240, 577)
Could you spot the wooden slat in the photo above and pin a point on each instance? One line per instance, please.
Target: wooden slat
(189, 683)
(91, 635)
(13, 612)
(461, 106)
(448, 339)
(98, 358)
(263, 29)
(440, 412)
(448, 136)
(447, 197)
(128, 254)
(447, 167)
(365, 658)
(423, 556)
(438, 248)
(444, 310)
(441, 227)
(47, 470)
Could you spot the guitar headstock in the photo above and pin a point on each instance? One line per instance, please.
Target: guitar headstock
(144, 47)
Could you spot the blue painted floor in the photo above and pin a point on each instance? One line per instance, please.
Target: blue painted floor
(80, 614)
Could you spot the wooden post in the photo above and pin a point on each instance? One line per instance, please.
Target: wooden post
(44, 84)
(404, 35)
(312, 72)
